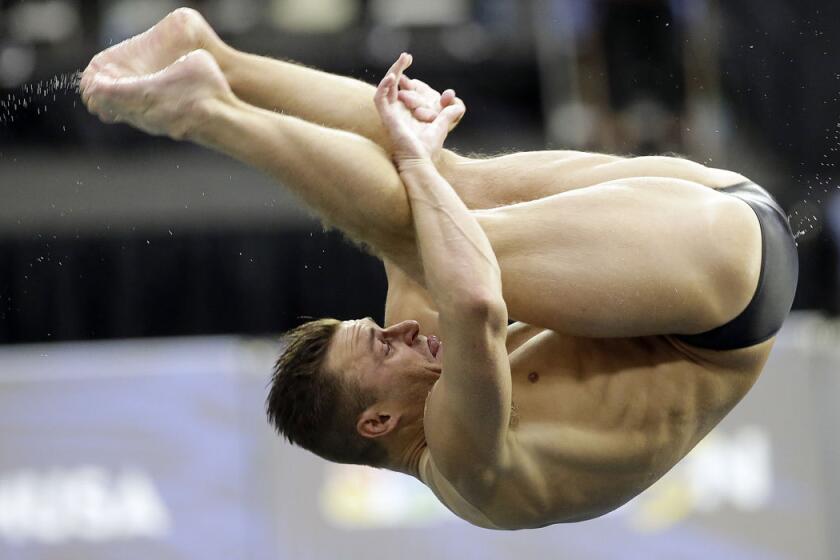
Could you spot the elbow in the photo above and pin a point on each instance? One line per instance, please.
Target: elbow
(487, 308)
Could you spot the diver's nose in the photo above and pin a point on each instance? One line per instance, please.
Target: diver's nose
(409, 329)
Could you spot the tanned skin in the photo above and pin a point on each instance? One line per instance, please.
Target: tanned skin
(587, 398)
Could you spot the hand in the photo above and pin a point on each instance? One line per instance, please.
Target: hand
(171, 102)
(416, 126)
(180, 32)
(424, 102)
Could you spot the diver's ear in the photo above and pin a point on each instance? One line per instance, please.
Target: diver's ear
(375, 422)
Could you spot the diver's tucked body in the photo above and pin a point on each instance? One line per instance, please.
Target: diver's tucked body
(647, 291)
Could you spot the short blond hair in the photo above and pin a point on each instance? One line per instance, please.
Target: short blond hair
(316, 408)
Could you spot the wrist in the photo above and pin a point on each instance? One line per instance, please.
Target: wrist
(410, 164)
(440, 160)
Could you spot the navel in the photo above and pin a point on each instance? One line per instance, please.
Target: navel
(533, 377)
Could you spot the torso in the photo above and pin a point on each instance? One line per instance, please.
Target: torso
(599, 420)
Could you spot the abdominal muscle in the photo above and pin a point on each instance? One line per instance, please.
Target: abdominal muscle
(600, 420)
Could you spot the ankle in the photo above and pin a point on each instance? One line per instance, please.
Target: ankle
(224, 54)
(230, 61)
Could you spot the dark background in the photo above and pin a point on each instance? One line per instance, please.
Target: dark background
(105, 232)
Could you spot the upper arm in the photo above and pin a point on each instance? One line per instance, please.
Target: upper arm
(469, 410)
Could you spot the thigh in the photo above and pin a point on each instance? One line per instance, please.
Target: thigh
(526, 176)
(634, 257)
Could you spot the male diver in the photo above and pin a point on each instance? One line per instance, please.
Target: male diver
(647, 291)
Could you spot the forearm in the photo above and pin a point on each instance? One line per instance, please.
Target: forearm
(303, 92)
(458, 260)
(346, 179)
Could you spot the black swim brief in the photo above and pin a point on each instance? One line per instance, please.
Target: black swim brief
(771, 303)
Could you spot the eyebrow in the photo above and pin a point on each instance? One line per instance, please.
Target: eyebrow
(372, 333)
(372, 336)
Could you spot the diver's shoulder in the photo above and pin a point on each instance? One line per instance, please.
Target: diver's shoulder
(449, 495)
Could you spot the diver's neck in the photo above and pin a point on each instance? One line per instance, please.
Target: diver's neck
(408, 461)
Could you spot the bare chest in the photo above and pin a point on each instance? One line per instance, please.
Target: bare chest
(597, 421)
(647, 390)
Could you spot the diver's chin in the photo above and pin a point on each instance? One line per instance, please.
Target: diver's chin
(435, 370)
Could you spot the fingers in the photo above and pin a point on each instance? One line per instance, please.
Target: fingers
(452, 114)
(421, 107)
(415, 85)
(447, 119)
(411, 99)
(425, 104)
(397, 69)
(403, 62)
(383, 94)
(449, 99)
(425, 114)
(422, 87)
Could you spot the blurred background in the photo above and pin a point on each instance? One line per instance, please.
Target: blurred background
(144, 283)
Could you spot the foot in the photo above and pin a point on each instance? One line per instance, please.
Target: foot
(169, 102)
(182, 31)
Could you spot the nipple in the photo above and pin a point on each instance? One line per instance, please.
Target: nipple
(533, 377)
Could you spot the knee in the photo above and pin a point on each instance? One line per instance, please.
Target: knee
(447, 163)
(464, 178)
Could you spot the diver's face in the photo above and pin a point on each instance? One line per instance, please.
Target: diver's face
(397, 364)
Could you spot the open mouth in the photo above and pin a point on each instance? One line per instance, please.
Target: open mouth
(434, 345)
